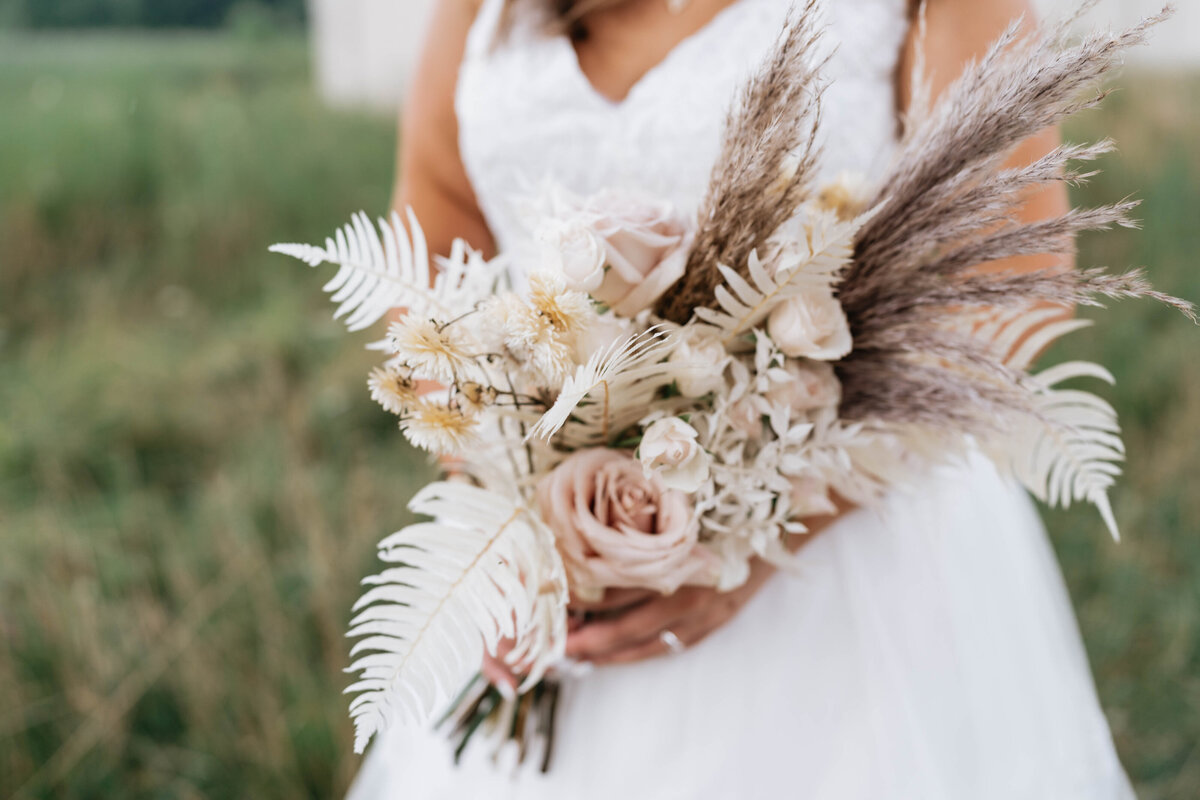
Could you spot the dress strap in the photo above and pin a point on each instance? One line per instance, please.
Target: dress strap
(485, 28)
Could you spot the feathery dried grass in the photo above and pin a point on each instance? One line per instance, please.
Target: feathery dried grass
(754, 190)
(948, 207)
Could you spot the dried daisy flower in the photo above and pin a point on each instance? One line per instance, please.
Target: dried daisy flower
(440, 429)
(541, 334)
(846, 196)
(438, 352)
(393, 388)
(567, 313)
(475, 396)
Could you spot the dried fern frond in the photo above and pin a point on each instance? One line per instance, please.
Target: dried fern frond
(743, 303)
(765, 167)
(381, 270)
(610, 371)
(485, 569)
(1072, 449)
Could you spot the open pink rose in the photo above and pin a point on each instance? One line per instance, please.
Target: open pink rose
(647, 247)
(617, 527)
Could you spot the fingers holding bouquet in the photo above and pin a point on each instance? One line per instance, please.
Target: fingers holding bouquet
(662, 625)
(655, 625)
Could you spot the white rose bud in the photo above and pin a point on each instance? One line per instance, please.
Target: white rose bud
(810, 385)
(669, 448)
(811, 325)
(573, 250)
(701, 360)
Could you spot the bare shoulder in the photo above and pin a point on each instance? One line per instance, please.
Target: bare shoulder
(976, 18)
(956, 32)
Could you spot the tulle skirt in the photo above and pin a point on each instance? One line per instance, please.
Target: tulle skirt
(928, 650)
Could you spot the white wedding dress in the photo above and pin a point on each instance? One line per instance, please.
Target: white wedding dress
(928, 650)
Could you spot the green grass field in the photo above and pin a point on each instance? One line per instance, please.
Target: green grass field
(192, 477)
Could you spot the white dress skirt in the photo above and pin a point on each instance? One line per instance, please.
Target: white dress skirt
(928, 650)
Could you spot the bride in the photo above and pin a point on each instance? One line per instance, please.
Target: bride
(928, 650)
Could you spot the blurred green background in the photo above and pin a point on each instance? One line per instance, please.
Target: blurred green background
(42, 14)
(192, 478)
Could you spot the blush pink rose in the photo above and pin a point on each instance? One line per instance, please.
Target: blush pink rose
(647, 247)
(617, 527)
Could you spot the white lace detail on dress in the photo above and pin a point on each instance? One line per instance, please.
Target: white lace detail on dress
(527, 113)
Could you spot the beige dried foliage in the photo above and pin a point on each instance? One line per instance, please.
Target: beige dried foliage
(765, 169)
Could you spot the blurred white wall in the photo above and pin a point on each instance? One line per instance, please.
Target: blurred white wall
(365, 49)
(1174, 44)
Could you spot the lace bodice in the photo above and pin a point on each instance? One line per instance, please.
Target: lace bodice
(528, 114)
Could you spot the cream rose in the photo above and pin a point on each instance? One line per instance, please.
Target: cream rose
(616, 527)
(646, 244)
(810, 385)
(701, 360)
(573, 250)
(811, 325)
(669, 449)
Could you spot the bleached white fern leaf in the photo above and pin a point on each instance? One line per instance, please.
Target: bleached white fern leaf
(1073, 452)
(811, 259)
(623, 361)
(1018, 336)
(543, 644)
(384, 269)
(631, 393)
(485, 569)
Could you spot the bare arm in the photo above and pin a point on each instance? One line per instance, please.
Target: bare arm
(957, 32)
(430, 176)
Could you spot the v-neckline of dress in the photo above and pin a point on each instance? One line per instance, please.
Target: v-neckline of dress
(686, 44)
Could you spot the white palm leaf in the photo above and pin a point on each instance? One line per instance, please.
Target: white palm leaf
(1074, 450)
(609, 370)
(542, 645)
(383, 269)
(636, 393)
(812, 260)
(483, 570)
(1019, 335)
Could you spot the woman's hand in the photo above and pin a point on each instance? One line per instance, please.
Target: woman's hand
(500, 674)
(691, 614)
(628, 624)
